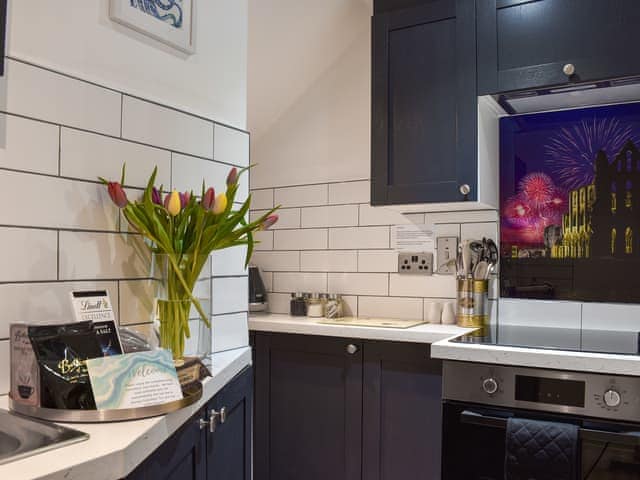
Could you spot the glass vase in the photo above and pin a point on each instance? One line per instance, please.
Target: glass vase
(182, 307)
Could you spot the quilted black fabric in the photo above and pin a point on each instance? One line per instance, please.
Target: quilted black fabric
(538, 450)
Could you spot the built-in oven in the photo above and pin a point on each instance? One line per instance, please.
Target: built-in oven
(479, 399)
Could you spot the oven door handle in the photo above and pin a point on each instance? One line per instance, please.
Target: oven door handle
(602, 436)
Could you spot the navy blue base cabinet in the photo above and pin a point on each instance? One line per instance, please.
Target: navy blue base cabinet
(345, 409)
(196, 453)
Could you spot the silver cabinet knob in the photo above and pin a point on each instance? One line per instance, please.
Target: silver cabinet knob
(351, 349)
(465, 189)
(202, 423)
(490, 385)
(569, 69)
(223, 414)
(215, 417)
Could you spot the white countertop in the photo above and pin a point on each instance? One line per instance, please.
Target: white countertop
(538, 358)
(425, 333)
(114, 450)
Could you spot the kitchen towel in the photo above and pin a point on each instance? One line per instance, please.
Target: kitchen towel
(537, 450)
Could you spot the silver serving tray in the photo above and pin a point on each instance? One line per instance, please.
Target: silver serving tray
(191, 396)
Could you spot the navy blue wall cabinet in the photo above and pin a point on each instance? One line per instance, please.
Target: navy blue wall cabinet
(424, 105)
(345, 409)
(525, 44)
(196, 453)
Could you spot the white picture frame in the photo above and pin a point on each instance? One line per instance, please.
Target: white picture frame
(131, 14)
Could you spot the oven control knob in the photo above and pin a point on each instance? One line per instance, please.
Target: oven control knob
(490, 385)
(612, 398)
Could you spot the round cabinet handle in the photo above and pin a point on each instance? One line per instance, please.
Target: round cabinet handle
(351, 349)
(569, 69)
(465, 189)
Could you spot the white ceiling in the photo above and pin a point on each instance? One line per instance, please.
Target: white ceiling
(291, 43)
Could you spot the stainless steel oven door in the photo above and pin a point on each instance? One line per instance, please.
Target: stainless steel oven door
(474, 444)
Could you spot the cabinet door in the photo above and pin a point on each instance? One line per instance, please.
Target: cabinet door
(525, 44)
(424, 105)
(181, 457)
(229, 446)
(308, 408)
(402, 412)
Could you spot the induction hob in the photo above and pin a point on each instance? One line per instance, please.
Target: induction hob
(574, 340)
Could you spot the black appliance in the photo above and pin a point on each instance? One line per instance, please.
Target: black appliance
(257, 292)
(552, 338)
(479, 398)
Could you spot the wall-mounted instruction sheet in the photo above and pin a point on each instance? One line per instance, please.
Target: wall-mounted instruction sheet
(412, 238)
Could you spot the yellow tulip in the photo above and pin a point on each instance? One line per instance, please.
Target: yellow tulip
(173, 204)
(221, 204)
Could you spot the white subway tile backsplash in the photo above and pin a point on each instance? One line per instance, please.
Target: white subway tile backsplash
(540, 313)
(28, 145)
(350, 305)
(87, 156)
(279, 302)
(44, 302)
(27, 255)
(189, 172)
(264, 240)
(471, 216)
(390, 307)
(382, 216)
(288, 282)
(262, 199)
(611, 316)
(434, 286)
(476, 231)
(313, 239)
(277, 261)
(287, 217)
(329, 261)
(359, 283)
(167, 128)
(305, 196)
(137, 301)
(378, 261)
(446, 230)
(233, 293)
(89, 255)
(267, 279)
(44, 95)
(230, 331)
(229, 261)
(4, 367)
(231, 146)
(349, 192)
(56, 202)
(331, 216)
(359, 238)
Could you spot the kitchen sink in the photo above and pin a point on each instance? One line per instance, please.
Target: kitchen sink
(21, 437)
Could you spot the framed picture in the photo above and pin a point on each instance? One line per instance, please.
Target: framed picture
(168, 21)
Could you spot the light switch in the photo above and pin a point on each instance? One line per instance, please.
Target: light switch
(447, 250)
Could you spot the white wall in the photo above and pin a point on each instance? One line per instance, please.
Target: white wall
(77, 37)
(58, 228)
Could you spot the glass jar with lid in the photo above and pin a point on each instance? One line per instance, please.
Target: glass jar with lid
(334, 307)
(315, 307)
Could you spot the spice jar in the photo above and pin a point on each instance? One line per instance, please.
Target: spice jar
(298, 305)
(334, 307)
(314, 306)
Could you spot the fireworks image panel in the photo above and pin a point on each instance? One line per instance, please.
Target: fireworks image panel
(570, 201)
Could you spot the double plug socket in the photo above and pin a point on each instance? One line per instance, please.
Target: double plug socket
(415, 262)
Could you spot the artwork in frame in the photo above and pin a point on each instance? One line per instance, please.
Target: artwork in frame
(168, 21)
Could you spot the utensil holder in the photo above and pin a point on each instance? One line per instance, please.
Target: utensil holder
(473, 303)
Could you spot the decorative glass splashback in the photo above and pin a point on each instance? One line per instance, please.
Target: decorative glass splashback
(570, 204)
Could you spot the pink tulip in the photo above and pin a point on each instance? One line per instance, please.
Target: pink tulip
(117, 194)
(268, 222)
(155, 196)
(209, 199)
(232, 178)
(184, 199)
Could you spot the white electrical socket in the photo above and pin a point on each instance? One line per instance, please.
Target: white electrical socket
(413, 262)
(447, 249)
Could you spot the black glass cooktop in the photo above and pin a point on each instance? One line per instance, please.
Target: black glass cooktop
(576, 340)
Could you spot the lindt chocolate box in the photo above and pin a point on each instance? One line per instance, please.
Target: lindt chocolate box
(25, 373)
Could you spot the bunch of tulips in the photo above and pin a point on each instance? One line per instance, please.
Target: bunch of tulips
(186, 229)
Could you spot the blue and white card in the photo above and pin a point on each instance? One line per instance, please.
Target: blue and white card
(134, 380)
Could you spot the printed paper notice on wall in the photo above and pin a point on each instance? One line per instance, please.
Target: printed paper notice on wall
(412, 238)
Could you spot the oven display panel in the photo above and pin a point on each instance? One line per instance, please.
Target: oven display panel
(550, 390)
